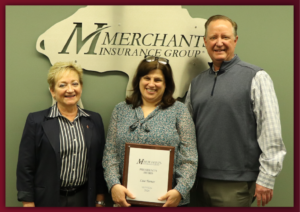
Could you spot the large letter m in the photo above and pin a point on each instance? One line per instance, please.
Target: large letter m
(80, 42)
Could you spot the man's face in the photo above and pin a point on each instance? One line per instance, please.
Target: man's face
(220, 41)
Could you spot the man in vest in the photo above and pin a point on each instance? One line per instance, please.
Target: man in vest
(236, 114)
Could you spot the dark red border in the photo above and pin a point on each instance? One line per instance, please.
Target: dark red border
(157, 2)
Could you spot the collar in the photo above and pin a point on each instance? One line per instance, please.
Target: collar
(141, 121)
(54, 112)
(225, 65)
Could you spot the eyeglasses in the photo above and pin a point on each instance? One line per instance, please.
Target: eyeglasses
(161, 60)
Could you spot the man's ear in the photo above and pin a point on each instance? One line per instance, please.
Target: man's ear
(236, 39)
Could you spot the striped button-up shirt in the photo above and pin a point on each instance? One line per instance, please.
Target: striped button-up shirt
(73, 151)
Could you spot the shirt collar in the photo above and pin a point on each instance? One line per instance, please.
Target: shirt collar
(54, 112)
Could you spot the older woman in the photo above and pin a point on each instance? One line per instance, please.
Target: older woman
(152, 116)
(60, 156)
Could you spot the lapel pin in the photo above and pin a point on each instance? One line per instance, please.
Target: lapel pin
(87, 126)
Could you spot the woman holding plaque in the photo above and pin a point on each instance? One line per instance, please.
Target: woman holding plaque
(60, 156)
(152, 116)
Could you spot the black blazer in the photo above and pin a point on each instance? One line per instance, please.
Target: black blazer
(39, 163)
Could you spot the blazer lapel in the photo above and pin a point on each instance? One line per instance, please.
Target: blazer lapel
(51, 129)
(87, 127)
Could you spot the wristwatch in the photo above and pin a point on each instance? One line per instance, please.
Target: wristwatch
(100, 203)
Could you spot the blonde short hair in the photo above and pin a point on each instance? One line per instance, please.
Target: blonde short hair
(60, 67)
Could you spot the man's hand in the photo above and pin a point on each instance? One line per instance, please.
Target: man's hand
(173, 198)
(118, 194)
(263, 195)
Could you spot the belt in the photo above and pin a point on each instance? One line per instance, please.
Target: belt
(69, 191)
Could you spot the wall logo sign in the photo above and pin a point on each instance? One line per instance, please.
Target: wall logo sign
(116, 38)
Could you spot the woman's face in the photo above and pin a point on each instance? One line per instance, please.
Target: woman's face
(152, 86)
(67, 90)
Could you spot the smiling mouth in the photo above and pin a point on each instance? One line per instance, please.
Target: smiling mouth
(70, 96)
(150, 90)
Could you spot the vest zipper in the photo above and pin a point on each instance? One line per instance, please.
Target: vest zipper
(212, 92)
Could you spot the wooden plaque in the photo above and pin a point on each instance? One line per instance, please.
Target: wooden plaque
(148, 172)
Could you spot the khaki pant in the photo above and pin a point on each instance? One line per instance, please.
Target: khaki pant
(219, 193)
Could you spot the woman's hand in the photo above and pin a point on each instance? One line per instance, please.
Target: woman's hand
(173, 198)
(118, 194)
(100, 197)
(28, 204)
